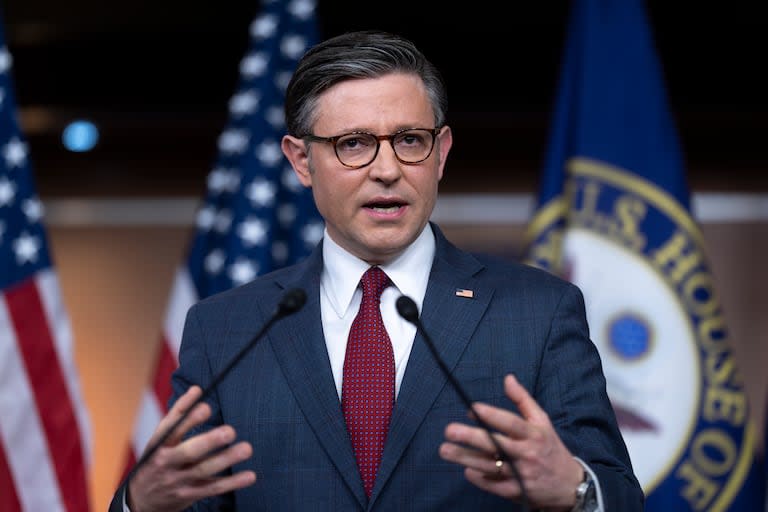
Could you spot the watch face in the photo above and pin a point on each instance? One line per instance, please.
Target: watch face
(581, 494)
(586, 498)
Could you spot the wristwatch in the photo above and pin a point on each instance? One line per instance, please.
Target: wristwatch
(586, 496)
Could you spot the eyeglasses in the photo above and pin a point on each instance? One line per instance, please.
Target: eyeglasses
(358, 149)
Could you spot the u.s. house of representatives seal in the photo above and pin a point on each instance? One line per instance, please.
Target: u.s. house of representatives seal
(654, 315)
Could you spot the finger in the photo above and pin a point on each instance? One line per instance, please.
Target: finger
(502, 420)
(475, 437)
(463, 440)
(477, 440)
(524, 401)
(200, 446)
(469, 458)
(185, 401)
(196, 416)
(219, 485)
(217, 462)
(505, 487)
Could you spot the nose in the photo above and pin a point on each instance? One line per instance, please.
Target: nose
(385, 167)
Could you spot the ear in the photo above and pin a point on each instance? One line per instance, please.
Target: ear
(295, 150)
(444, 143)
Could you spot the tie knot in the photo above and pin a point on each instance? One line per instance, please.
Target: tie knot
(374, 282)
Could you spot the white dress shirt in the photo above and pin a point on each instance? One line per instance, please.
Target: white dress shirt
(341, 295)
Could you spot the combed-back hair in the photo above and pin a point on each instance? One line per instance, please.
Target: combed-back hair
(356, 55)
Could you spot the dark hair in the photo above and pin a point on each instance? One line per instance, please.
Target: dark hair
(354, 55)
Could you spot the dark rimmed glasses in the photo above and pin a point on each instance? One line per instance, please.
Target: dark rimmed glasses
(358, 149)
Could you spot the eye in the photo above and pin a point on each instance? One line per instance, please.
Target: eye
(412, 139)
(355, 142)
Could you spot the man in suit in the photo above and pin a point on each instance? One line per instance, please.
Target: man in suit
(331, 412)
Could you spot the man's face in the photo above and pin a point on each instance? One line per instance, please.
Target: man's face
(376, 211)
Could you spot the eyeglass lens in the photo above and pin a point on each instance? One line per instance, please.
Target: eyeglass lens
(410, 146)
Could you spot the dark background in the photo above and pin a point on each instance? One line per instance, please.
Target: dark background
(156, 77)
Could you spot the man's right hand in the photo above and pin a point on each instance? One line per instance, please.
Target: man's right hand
(183, 471)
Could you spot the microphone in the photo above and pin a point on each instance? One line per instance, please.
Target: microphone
(291, 301)
(408, 309)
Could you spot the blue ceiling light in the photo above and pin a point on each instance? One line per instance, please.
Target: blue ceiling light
(80, 136)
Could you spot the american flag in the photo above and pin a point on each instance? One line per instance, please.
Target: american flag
(256, 216)
(44, 425)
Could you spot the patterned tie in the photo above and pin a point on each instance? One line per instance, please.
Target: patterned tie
(368, 385)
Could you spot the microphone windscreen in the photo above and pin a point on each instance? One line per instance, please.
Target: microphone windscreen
(292, 301)
(407, 308)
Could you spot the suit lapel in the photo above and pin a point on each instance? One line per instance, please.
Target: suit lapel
(449, 320)
(300, 349)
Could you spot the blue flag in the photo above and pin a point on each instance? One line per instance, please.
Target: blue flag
(256, 217)
(614, 218)
(765, 458)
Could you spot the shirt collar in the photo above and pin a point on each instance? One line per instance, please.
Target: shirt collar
(409, 271)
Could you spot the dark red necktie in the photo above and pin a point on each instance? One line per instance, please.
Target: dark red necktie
(368, 385)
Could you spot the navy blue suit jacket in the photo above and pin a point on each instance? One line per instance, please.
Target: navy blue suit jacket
(282, 398)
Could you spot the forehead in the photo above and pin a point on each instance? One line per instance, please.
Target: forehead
(379, 105)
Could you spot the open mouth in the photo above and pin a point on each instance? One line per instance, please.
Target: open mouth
(384, 207)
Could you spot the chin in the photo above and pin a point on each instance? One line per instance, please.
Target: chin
(383, 253)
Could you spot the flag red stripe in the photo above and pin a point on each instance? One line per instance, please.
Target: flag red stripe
(50, 390)
(9, 501)
(165, 365)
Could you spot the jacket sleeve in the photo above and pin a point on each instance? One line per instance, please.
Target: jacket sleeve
(571, 387)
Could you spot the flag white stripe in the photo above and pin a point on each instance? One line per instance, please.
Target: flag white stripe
(61, 332)
(150, 414)
(21, 430)
(183, 296)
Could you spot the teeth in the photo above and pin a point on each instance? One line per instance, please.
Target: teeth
(385, 209)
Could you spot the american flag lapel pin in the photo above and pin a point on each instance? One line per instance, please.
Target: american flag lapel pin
(463, 292)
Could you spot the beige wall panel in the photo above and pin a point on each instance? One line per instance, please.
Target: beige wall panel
(738, 255)
(115, 283)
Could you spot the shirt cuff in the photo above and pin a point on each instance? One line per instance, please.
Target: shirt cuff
(125, 505)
